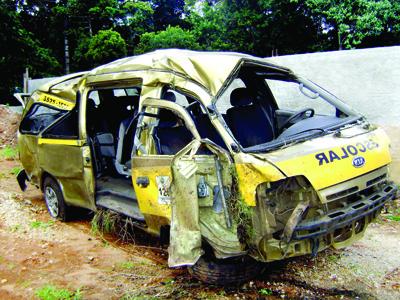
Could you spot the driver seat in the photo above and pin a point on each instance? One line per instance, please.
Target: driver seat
(250, 123)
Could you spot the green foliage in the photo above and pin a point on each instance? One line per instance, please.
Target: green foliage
(15, 170)
(172, 37)
(139, 15)
(209, 26)
(242, 214)
(105, 46)
(104, 221)
(50, 292)
(97, 32)
(393, 218)
(126, 265)
(138, 20)
(9, 153)
(41, 225)
(20, 48)
(265, 292)
(168, 13)
(354, 21)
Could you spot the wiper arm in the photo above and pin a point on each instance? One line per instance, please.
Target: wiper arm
(284, 142)
(320, 130)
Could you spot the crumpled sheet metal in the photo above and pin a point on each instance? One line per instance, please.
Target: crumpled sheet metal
(189, 223)
(185, 235)
(210, 69)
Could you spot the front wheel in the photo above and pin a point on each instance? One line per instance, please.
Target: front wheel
(226, 271)
(54, 199)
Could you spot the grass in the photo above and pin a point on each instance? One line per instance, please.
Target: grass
(265, 292)
(108, 222)
(41, 225)
(333, 258)
(394, 214)
(126, 265)
(104, 221)
(51, 292)
(393, 218)
(15, 170)
(9, 153)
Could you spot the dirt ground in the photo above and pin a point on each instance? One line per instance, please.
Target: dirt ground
(36, 251)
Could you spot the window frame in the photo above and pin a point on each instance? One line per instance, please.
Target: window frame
(30, 114)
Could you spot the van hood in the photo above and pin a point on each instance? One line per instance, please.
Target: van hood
(334, 158)
(324, 161)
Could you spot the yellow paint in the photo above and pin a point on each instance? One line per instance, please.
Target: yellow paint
(251, 173)
(148, 196)
(337, 171)
(61, 142)
(296, 161)
(55, 101)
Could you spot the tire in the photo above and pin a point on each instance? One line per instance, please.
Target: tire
(229, 271)
(54, 199)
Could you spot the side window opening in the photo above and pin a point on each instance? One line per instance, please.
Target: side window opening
(66, 128)
(39, 118)
(171, 135)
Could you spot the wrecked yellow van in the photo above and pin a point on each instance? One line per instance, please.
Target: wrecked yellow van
(235, 160)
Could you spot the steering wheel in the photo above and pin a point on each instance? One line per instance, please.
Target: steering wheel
(299, 115)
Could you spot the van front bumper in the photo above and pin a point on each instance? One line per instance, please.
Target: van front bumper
(348, 217)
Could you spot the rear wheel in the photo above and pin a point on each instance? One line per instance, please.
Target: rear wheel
(54, 199)
(226, 271)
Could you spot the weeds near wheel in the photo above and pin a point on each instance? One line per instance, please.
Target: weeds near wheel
(108, 222)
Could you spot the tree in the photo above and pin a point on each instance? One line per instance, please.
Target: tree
(168, 13)
(19, 49)
(171, 37)
(137, 19)
(105, 46)
(355, 20)
(255, 26)
(209, 25)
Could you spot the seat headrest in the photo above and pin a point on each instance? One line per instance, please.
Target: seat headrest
(166, 118)
(170, 96)
(91, 104)
(241, 97)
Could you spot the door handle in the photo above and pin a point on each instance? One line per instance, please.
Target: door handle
(143, 181)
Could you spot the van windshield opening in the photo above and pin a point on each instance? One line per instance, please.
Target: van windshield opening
(265, 108)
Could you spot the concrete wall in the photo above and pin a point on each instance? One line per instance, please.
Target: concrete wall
(366, 79)
(34, 84)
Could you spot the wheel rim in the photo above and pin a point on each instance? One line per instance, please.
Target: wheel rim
(51, 201)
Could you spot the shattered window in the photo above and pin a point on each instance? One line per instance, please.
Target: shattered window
(292, 96)
(66, 128)
(39, 117)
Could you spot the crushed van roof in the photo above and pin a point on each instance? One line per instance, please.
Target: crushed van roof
(64, 86)
(210, 69)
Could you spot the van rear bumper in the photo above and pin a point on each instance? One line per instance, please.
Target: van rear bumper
(345, 217)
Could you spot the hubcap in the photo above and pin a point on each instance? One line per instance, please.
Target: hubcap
(51, 201)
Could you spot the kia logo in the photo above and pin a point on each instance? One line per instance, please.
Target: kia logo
(358, 161)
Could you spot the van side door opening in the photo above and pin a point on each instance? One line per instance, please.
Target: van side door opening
(111, 118)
